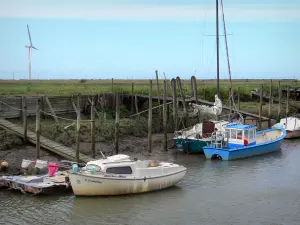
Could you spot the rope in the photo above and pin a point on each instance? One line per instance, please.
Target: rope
(62, 118)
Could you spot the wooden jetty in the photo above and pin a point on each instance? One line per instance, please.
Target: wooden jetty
(45, 143)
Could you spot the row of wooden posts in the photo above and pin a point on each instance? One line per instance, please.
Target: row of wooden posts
(117, 120)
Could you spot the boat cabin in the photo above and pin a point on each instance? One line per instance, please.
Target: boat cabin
(240, 135)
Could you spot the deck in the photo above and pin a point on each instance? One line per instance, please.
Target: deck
(45, 143)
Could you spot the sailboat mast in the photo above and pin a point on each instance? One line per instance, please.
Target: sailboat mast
(217, 39)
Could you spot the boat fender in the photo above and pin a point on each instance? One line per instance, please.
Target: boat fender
(245, 142)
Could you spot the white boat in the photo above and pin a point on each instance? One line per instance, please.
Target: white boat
(119, 174)
(291, 125)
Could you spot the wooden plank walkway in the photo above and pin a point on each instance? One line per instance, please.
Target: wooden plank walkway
(169, 99)
(45, 143)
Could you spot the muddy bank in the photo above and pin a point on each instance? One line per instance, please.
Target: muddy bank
(130, 145)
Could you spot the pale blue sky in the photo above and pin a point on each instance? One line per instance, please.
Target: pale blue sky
(130, 39)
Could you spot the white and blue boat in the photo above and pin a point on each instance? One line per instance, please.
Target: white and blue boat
(242, 141)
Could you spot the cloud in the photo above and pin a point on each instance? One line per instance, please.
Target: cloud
(148, 12)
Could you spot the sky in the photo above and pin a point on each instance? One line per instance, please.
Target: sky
(130, 39)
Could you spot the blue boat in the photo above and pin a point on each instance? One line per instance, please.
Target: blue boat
(241, 141)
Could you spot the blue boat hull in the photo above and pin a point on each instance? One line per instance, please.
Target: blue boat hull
(231, 154)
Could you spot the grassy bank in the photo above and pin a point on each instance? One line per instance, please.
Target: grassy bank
(206, 88)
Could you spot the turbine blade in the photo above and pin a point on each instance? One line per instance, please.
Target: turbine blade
(34, 48)
(29, 35)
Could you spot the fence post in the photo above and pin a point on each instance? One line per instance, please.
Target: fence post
(24, 112)
(150, 118)
(38, 128)
(78, 129)
(279, 101)
(117, 122)
(93, 127)
(165, 116)
(239, 99)
(260, 108)
(173, 83)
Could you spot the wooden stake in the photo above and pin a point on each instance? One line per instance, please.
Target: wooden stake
(183, 99)
(38, 128)
(279, 101)
(260, 108)
(287, 100)
(24, 111)
(150, 118)
(51, 109)
(239, 99)
(271, 91)
(132, 97)
(136, 104)
(230, 103)
(78, 130)
(173, 83)
(112, 85)
(165, 117)
(117, 122)
(93, 128)
(270, 104)
(158, 96)
(75, 108)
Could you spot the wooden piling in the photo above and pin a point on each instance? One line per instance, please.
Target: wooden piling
(38, 128)
(279, 101)
(132, 97)
(230, 104)
(270, 104)
(150, 118)
(239, 99)
(24, 116)
(260, 108)
(117, 123)
(183, 100)
(271, 91)
(136, 104)
(112, 85)
(173, 83)
(165, 116)
(93, 127)
(287, 101)
(158, 96)
(78, 129)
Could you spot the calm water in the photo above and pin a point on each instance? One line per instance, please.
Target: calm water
(261, 190)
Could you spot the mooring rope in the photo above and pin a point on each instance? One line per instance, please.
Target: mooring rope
(28, 111)
(62, 118)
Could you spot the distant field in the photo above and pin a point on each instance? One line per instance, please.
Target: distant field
(69, 87)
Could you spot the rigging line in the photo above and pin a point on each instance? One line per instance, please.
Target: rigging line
(10, 106)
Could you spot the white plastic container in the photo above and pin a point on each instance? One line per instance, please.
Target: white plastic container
(25, 163)
(41, 164)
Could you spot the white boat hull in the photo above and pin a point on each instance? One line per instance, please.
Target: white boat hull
(292, 134)
(89, 185)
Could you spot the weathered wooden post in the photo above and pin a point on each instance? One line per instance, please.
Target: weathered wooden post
(93, 127)
(38, 128)
(78, 129)
(230, 103)
(165, 117)
(132, 97)
(271, 91)
(24, 112)
(260, 108)
(150, 118)
(279, 101)
(158, 96)
(173, 83)
(270, 104)
(195, 93)
(183, 99)
(239, 99)
(112, 85)
(287, 100)
(136, 104)
(117, 122)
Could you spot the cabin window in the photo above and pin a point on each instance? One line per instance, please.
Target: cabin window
(233, 134)
(119, 170)
(246, 134)
(227, 133)
(239, 134)
(251, 134)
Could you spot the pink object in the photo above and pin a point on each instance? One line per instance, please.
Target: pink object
(52, 168)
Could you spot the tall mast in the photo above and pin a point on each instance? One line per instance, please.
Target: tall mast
(217, 37)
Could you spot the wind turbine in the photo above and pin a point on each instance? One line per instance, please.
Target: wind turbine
(30, 52)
